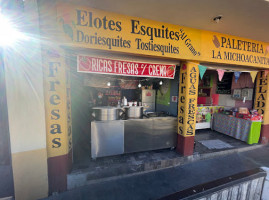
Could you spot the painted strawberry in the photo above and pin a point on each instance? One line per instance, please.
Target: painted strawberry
(84, 63)
(184, 67)
(171, 71)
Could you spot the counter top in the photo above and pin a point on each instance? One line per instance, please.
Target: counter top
(208, 105)
(144, 119)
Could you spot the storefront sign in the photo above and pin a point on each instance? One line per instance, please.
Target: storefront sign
(96, 65)
(222, 48)
(261, 93)
(187, 100)
(91, 28)
(58, 107)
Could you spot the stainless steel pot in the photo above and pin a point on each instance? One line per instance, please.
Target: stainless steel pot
(135, 112)
(106, 113)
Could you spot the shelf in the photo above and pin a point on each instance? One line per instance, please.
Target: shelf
(202, 125)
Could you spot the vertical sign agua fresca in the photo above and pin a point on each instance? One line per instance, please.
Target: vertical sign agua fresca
(187, 101)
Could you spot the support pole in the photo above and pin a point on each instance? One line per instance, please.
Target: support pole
(262, 105)
(187, 105)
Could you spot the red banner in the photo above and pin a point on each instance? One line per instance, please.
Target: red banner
(89, 64)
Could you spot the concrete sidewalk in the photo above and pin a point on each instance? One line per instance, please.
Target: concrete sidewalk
(89, 171)
(156, 184)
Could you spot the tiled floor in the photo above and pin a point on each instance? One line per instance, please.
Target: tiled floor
(207, 134)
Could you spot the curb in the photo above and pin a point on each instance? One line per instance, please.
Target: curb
(80, 179)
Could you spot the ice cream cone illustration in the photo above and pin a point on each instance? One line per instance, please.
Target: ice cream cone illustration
(216, 41)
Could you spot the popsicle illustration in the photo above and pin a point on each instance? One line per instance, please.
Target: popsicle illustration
(266, 50)
(216, 41)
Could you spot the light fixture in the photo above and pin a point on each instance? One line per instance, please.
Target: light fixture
(139, 85)
(9, 34)
(160, 83)
(217, 18)
(108, 84)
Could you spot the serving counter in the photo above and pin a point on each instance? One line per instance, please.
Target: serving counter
(149, 134)
(241, 129)
(132, 135)
(107, 138)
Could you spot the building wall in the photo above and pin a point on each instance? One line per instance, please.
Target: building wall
(172, 108)
(25, 100)
(6, 177)
(244, 81)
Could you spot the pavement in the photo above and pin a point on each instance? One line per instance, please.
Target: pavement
(156, 184)
(89, 170)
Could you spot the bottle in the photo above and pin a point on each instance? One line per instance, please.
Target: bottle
(124, 101)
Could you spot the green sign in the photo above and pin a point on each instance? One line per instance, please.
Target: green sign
(163, 94)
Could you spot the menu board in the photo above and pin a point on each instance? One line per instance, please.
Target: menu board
(224, 86)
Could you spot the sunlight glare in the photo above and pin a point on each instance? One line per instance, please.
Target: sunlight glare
(9, 34)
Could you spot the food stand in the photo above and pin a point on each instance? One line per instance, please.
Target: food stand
(124, 118)
(233, 118)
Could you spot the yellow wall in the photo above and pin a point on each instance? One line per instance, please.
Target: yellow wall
(30, 174)
(26, 112)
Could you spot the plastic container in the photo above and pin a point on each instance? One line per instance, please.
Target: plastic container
(124, 101)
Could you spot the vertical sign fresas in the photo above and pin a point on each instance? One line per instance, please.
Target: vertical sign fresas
(56, 103)
(187, 100)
